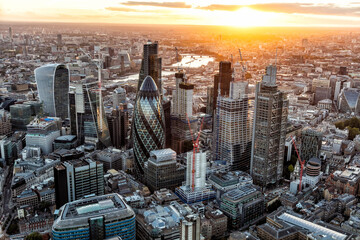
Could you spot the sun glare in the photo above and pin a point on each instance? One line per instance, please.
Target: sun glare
(247, 17)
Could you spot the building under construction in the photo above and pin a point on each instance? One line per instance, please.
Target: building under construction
(182, 114)
(269, 130)
(233, 132)
(195, 188)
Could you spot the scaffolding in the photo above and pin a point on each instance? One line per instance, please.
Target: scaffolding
(269, 131)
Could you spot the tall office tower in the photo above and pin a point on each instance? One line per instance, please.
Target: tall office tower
(151, 65)
(182, 111)
(72, 111)
(195, 188)
(310, 143)
(222, 80)
(10, 35)
(119, 97)
(232, 132)
(118, 121)
(59, 39)
(148, 128)
(166, 105)
(53, 82)
(162, 171)
(42, 133)
(91, 128)
(209, 100)
(98, 217)
(269, 130)
(190, 227)
(75, 179)
(182, 96)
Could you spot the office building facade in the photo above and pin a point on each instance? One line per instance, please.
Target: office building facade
(222, 81)
(97, 217)
(243, 206)
(269, 131)
(190, 227)
(90, 123)
(310, 143)
(232, 132)
(42, 133)
(118, 121)
(151, 65)
(78, 178)
(162, 171)
(53, 82)
(182, 114)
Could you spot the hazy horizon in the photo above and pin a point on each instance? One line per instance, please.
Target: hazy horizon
(256, 13)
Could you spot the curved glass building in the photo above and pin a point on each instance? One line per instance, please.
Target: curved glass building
(53, 87)
(148, 131)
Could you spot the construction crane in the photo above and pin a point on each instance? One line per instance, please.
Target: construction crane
(195, 149)
(99, 64)
(300, 161)
(244, 68)
(177, 58)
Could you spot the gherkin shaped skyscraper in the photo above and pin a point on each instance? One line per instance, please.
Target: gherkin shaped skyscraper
(148, 128)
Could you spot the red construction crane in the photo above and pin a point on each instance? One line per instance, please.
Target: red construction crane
(195, 149)
(300, 161)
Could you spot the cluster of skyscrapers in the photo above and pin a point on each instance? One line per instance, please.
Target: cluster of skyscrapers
(248, 135)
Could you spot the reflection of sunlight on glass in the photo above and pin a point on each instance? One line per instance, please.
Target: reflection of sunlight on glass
(247, 17)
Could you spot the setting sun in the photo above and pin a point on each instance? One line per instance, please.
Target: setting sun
(247, 17)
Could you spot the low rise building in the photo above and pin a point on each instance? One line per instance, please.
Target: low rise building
(98, 217)
(243, 206)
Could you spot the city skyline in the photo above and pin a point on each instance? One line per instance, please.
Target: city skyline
(246, 13)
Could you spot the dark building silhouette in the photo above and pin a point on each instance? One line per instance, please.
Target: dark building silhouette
(118, 121)
(222, 80)
(151, 65)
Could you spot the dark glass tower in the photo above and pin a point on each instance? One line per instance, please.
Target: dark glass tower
(151, 65)
(53, 86)
(222, 80)
(148, 129)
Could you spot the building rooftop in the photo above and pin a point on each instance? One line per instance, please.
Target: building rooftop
(92, 206)
(66, 138)
(237, 194)
(312, 227)
(162, 155)
(77, 213)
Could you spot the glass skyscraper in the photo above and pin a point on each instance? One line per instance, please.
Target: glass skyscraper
(53, 88)
(148, 131)
(91, 127)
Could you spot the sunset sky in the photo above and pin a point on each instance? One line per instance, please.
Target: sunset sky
(242, 13)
